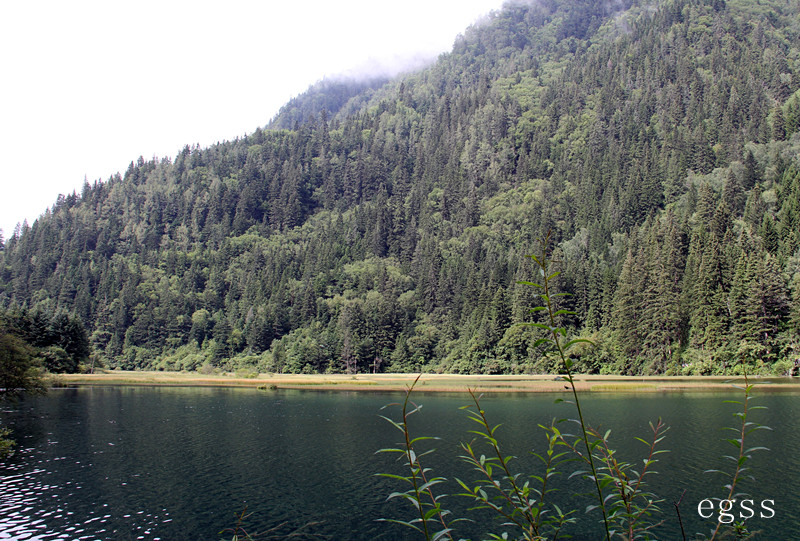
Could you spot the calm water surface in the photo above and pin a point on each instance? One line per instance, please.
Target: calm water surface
(178, 463)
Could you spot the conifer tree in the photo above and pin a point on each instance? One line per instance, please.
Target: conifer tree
(628, 306)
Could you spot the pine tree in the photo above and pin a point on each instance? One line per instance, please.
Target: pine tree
(628, 307)
(662, 315)
(778, 124)
(707, 293)
(751, 173)
(759, 303)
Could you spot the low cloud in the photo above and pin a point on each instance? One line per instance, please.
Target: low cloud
(387, 67)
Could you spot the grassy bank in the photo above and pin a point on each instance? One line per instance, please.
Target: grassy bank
(428, 382)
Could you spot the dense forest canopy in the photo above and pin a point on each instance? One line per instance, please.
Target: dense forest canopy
(384, 228)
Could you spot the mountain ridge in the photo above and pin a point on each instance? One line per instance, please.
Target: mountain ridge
(391, 234)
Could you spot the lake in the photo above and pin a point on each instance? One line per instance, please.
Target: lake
(179, 463)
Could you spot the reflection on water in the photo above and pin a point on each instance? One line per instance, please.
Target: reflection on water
(177, 463)
(25, 516)
(37, 503)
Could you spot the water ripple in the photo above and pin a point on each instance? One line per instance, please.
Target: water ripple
(177, 464)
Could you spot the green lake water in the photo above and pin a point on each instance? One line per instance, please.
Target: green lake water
(178, 463)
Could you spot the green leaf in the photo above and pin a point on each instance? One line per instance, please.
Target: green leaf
(422, 438)
(402, 522)
(440, 534)
(430, 513)
(579, 341)
(401, 451)
(394, 424)
(393, 476)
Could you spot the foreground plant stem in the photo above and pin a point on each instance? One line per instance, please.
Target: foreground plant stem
(744, 454)
(556, 333)
(418, 478)
(521, 498)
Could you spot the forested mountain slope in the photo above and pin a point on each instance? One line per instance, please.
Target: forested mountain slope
(658, 141)
(328, 95)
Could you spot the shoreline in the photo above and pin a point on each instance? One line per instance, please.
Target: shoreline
(428, 382)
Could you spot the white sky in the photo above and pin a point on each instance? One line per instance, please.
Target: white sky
(88, 86)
